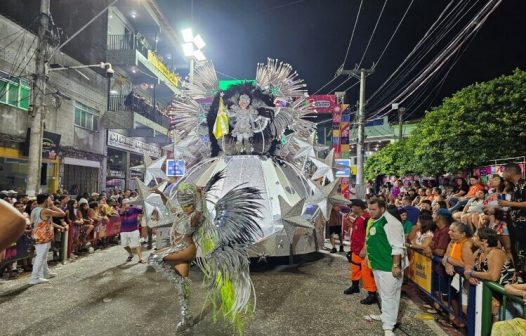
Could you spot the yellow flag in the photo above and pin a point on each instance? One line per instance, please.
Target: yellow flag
(221, 123)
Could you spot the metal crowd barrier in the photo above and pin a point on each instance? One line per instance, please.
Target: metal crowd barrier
(479, 318)
(489, 290)
(430, 277)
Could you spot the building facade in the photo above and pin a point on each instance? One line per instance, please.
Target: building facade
(96, 128)
(73, 140)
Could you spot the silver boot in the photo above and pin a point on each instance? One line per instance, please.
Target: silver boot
(184, 296)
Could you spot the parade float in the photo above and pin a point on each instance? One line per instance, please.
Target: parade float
(259, 134)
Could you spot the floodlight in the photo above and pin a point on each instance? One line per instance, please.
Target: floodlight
(199, 42)
(198, 54)
(188, 36)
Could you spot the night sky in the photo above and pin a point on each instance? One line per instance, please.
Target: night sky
(312, 35)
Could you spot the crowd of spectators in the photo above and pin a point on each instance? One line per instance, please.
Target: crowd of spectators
(85, 216)
(478, 228)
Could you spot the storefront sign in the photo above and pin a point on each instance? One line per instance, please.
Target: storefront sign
(117, 140)
(116, 173)
(324, 103)
(420, 271)
(159, 65)
(50, 144)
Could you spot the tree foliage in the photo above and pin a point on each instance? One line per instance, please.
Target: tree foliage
(479, 123)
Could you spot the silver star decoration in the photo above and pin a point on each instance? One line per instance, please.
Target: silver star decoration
(313, 141)
(291, 217)
(182, 148)
(154, 171)
(145, 197)
(151, 202)
(327, 196)
(325, 167)
(306, 150)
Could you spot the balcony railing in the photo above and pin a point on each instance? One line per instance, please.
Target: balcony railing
(128, 42)
(139, 105)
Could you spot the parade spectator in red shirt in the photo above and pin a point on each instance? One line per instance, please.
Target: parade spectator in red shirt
(443, 219)
(359, 267)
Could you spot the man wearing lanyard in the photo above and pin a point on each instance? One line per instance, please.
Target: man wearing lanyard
(387, 258)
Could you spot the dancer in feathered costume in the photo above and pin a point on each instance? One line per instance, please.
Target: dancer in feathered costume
(224, 240)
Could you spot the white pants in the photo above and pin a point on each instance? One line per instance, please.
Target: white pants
(40, 268)
(389, 289)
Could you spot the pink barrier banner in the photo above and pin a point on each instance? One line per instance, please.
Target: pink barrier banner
(494, 169)
(113, 227)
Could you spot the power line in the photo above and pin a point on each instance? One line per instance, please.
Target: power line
(443, 30)
(345, 81)
(441, 83)
(471, 28)
(395, 31)
(422, 41)
(347, 52)
(385, 97)
(352, 34)
(442, 59)
(372, 34)
(351, 86)
(324, 86)
(421, 53)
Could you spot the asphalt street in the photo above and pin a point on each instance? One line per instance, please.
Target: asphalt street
(102, 294)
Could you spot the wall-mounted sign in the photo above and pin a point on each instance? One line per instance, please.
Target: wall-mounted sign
(343, 167)
(159, 65)
(117, 140)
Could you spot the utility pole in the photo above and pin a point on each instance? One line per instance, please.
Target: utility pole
(401, 111)
(360, 74)
(38, 111)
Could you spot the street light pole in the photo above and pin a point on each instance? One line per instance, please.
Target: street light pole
(38, 109)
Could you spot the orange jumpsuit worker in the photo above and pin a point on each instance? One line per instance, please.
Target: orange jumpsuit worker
(359, 267)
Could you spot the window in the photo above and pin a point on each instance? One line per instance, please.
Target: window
(86, 117)
(14, 93)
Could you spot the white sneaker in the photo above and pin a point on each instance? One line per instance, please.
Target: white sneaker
(38, 281)
(388, 332)
(50, 275)
(372, 318)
